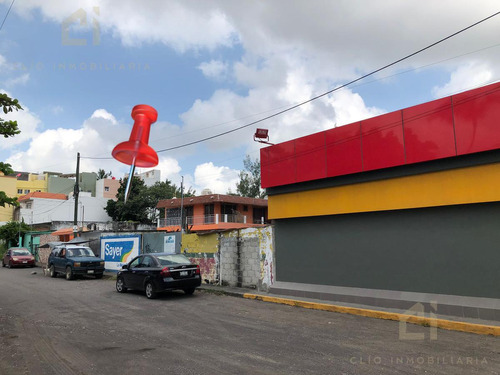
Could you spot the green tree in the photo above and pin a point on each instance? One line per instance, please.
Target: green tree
(138, 202)
(11, 231)
(101, 174)
(249, 184)
(142, 200)
(6, 169)
(8, 129)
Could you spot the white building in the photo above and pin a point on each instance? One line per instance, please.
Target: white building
(150, 177)
(38, 208)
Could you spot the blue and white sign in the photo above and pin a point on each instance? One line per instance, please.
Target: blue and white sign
(169, 244)
(119, 250)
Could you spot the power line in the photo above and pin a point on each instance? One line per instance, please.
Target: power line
(7, 14)
(284, 106)
(333, 90)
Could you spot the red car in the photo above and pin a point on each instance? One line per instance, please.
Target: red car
(18, 256)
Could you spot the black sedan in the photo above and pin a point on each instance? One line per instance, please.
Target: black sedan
(159, 272)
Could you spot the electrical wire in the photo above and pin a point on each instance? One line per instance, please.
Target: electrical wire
(320, 95)
(333, 90)
(7, 14)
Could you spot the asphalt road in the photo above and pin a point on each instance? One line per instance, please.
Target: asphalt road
(54, 326)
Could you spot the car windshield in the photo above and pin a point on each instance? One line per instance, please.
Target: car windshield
(21, 252)
(172, 259)
(80, 252)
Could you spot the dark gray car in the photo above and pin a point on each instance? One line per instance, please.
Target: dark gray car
(159, 272)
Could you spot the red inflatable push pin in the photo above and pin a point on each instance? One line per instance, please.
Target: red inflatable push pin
(136, 151)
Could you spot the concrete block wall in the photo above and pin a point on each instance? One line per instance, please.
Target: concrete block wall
(249, 260)
(228, 258)
(244, 271)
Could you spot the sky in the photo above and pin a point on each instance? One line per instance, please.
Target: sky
(79, 67)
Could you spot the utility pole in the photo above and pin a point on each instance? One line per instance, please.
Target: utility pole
(182, 204)
(76, 191)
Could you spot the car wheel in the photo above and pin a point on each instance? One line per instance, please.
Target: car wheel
(189, 290)
(69, 273)
(120, 285)
(150, 291)
(52, 271)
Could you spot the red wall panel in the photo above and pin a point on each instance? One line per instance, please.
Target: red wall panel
(461, 124)
(428, 131)
(264, 167)
(281, 167)
(477, 119)
(310, 157)
(343, 150)
(382, 141)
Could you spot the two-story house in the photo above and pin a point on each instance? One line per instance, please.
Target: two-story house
(212, 212)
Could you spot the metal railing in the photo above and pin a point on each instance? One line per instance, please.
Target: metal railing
(204, 220)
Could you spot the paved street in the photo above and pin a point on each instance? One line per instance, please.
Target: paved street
(54, 326)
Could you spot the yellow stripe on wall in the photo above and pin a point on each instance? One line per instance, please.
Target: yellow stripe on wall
(457, 186)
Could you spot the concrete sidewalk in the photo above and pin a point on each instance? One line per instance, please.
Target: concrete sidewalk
(478, 326)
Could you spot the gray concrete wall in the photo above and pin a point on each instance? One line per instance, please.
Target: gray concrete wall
(451, 250)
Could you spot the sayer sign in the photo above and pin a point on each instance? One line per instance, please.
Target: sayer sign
(119, 250)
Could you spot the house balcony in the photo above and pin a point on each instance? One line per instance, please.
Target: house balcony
(208, 222)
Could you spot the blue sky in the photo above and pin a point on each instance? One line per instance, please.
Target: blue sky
(210, 66)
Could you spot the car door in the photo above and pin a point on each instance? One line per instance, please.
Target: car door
(144, 270)
(130, 275)
(60, 260)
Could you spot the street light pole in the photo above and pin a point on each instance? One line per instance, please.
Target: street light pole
(182, 204)
(76, 191)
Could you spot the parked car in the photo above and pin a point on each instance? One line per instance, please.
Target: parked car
(159, 272)
(73, 260)
(18, 256)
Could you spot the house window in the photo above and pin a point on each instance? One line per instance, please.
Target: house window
(26, 191)
(245, 207)
(106, 188)
(209, 214)
(228, 209)
(173, 216)
(28, 205)
(259, 215)
(19, 191)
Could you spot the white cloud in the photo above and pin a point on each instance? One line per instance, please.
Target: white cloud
(3, 62)
(169, 169)
(465, 77)
(181, 25)
(218, 179)
(56, 149)
(103, 114)
(27, 122)
(57, 109)
(214, 69)
(19, 80)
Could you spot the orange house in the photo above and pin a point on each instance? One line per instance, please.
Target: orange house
(212, 212)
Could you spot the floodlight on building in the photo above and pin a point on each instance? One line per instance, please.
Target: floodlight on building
(262, 136)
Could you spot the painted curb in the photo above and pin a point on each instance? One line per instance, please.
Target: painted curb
(439, 323)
